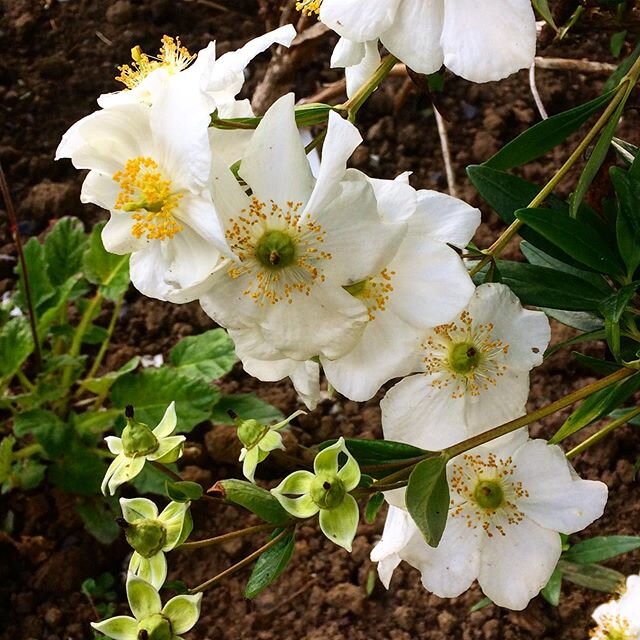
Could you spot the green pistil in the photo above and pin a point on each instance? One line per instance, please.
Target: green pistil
(147, 536)
(276, 250)
(327, 493)
(155, 627)
(464, 357)
(357, 288)
(138, 440)
(488, 494)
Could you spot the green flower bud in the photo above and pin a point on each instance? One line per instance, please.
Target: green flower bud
(138, 440)
(327, 492)
(147, 537)
(155, 627)
(276, 250)
(464, 357)
(250, 432)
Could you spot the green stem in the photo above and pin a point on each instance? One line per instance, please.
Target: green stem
(622, 94)
(167, 472)
(27, 452)
(239, 565)
(209, 542)
(105, 344)
(353, 104)
(596, 437)
(26, 383)
(525, 420)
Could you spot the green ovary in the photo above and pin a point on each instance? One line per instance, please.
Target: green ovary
(276, 250)
(464, 357)
(327, 492)
(138, 440)
(155, 627)
(147, 537)
(489, 494)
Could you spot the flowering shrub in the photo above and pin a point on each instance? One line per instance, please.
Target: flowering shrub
(317, 268)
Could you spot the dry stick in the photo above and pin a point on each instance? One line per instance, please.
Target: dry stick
(239, 565)
(15, 233)
(534, 92)
(446, 154)
(221, 539)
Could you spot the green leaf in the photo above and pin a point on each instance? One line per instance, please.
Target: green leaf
(542, 7)
(597, 406)
(208, 356)
(628, 219)
(372, 509)
(552, 590)
(616, 304)
(542, 287)
(601, 548)
(375, 452)
(183, 491)
(602, 367)
(28, 474)
(481, 604)
(152, 390)
(51, 316)
(16, 344)
(270, 565)
(580, 320)
(99, 520)
(41, 288)
(614, 79)
(152, 480)
(545, 135)
(427, 498)
(79, 470)
(575, 238)
(63, 249)
(617, 42)
(6, 457)
(95, 422)
(109, 271)
(247, 406)
(46, 427)
(592, 576)
(598, 154)
(253, 498)
(104, 383)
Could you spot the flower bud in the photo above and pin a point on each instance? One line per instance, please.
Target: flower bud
(147, 537)
(155, 627)
(250, 432)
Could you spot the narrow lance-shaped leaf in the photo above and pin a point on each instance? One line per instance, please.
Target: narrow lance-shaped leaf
(601, 548)
(271, 564)
(627, 190)
(253, 498)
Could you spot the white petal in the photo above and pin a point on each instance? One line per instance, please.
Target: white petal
(99, 189)
(555, 500)
(115, 444)
(348, 53)
(398, 530)
(516, 566)
(444, 218)
(306, 381)
(397, 199)
(117, 236)
(199, 212)
(138, 509)
(387, 349)
(488, 40)
(167, 425)
(414, 36)
(275, 165)
(357, 75)
(359, 20)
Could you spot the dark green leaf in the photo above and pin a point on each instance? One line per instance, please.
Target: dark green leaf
(614, 80)
(552, 590)
(247, 406)
(183, 491)
(597, 406)
(542, 7)
(104, 383)
(152, 390)
(208, 356)
(63, 248)
(46, 427)
(42, 291)
(628, 219)
(545, 135)
(427, 498)
(575, 238)
(16, 344)
(109, 271)
(375, 452)
(28, 474)
(592, 576)
(615, 305)
(253, 498)
(601, 548)
(80, 470)
(617, 42)
(270, 565)
(374, 504)
(6, 457)
(99, 520)
(603, 367)
(152, 480)
(576, 319)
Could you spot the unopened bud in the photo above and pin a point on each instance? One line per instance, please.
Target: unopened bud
(147, 537)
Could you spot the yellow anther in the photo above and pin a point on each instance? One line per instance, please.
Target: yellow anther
(309, 7)
(172, 56)
(147, 195)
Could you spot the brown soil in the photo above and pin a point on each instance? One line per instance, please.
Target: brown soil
(57, 57)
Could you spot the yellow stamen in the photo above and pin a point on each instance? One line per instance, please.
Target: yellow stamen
(375, 292)
(309, 7)
(145, 192)
(172, 56)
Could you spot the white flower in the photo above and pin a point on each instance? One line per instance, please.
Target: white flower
(425, 284)
(620, 619)
(359, 60)
(149, 166)
(509, 501)
(296, 240)
(476, 372)
(138, 444)
(152, 620)
(151, 534)
(479, 41)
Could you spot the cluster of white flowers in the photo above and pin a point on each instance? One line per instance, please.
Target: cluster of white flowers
(336, 271)
(619, 619)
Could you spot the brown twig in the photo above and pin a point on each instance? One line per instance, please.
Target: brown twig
(226, 537)
(15, 233)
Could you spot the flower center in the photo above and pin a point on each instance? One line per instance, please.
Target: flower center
(484, 493)
(276, 250)
(466, 355)
(146, 536)
(280, 251)
(138, 440)
(374, 292)
(327, 492)
(309, 7)
(612, 627)
(172, 56)
(488, 494)
(155, 627)
(147, 194)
